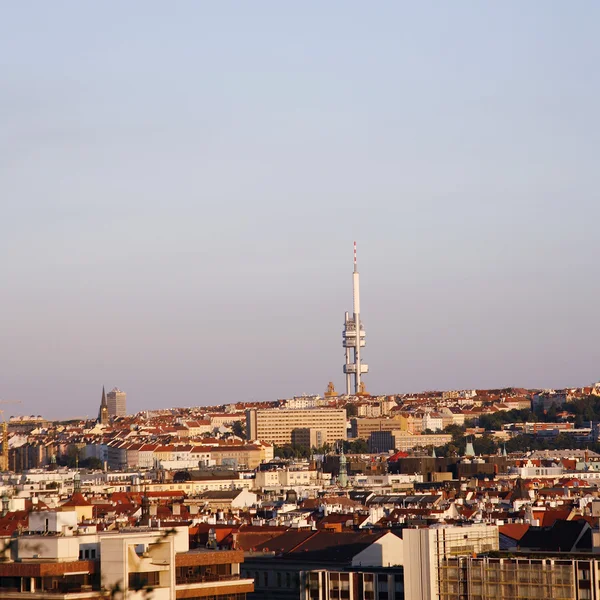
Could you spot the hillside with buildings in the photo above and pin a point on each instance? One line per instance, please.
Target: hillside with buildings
(313, 497)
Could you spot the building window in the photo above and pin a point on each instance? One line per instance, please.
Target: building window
(138, 581)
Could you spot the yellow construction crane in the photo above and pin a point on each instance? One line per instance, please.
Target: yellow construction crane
(4, 455)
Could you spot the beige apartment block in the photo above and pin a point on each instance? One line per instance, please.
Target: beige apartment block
(309, 437)
(276, 425)
(363, 427)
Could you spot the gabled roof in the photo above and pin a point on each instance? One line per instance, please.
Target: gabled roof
(220, 495)
(10, 522)
(331, 501)
(547, 518)
(514, 531)
(77, 499)
(566, 536)
(338, 548)
(286, 542)
(251, 537)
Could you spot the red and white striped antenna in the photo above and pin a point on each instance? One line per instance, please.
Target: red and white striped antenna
(355, 256)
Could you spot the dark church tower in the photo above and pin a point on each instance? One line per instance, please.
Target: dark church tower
(103, 415)
(145, 518)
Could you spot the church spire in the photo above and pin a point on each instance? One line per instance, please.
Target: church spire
(103, 412)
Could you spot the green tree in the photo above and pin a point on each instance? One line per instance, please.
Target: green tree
(358, 446)
(91, 463)
(238, 428)
(551, 414)
(485, 445)
(291, 451)
(351, 410)
(455, 430)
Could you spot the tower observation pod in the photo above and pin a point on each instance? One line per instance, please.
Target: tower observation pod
(353, 339)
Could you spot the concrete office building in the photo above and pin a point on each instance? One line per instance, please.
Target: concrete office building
(363, 427)
(276, 425)
(117, 403)
(306, 436)
(382, 441)
(385, 582)
(406, 441)
(430, 547)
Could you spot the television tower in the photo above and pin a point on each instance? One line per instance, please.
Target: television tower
(353, 338)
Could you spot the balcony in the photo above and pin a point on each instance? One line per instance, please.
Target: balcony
(49, 589)
(210, 585)
(204, 578)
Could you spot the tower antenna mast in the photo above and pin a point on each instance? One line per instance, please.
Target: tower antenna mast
(353, 337)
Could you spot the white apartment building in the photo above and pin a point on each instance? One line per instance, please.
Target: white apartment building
(433, 422)
(302, 402)
(286, 478)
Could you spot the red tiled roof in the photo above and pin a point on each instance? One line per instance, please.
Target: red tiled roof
(549, 517)
(515, 531)
(77, 499)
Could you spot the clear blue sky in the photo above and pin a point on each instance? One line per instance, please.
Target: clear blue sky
(181, 183)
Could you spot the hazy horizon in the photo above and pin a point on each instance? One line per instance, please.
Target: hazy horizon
(181, 185)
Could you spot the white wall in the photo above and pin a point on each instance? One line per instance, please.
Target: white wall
(387, 551)
(48, 548)
(244, 499)
(52, 521)
(118, 559)
(426, 548)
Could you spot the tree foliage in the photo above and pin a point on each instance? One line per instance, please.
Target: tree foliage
(239, 428)
(495, 421)
(356, 446)
(291, 451)
(487, 444)
(351, 410)
(586, 408)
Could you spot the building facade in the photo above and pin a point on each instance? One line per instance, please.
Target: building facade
(375, 584)
(117, 403)
(363, 427)
(136, 563)
(276, 425)
(549, 578)
(431, 546)
(395, 439)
